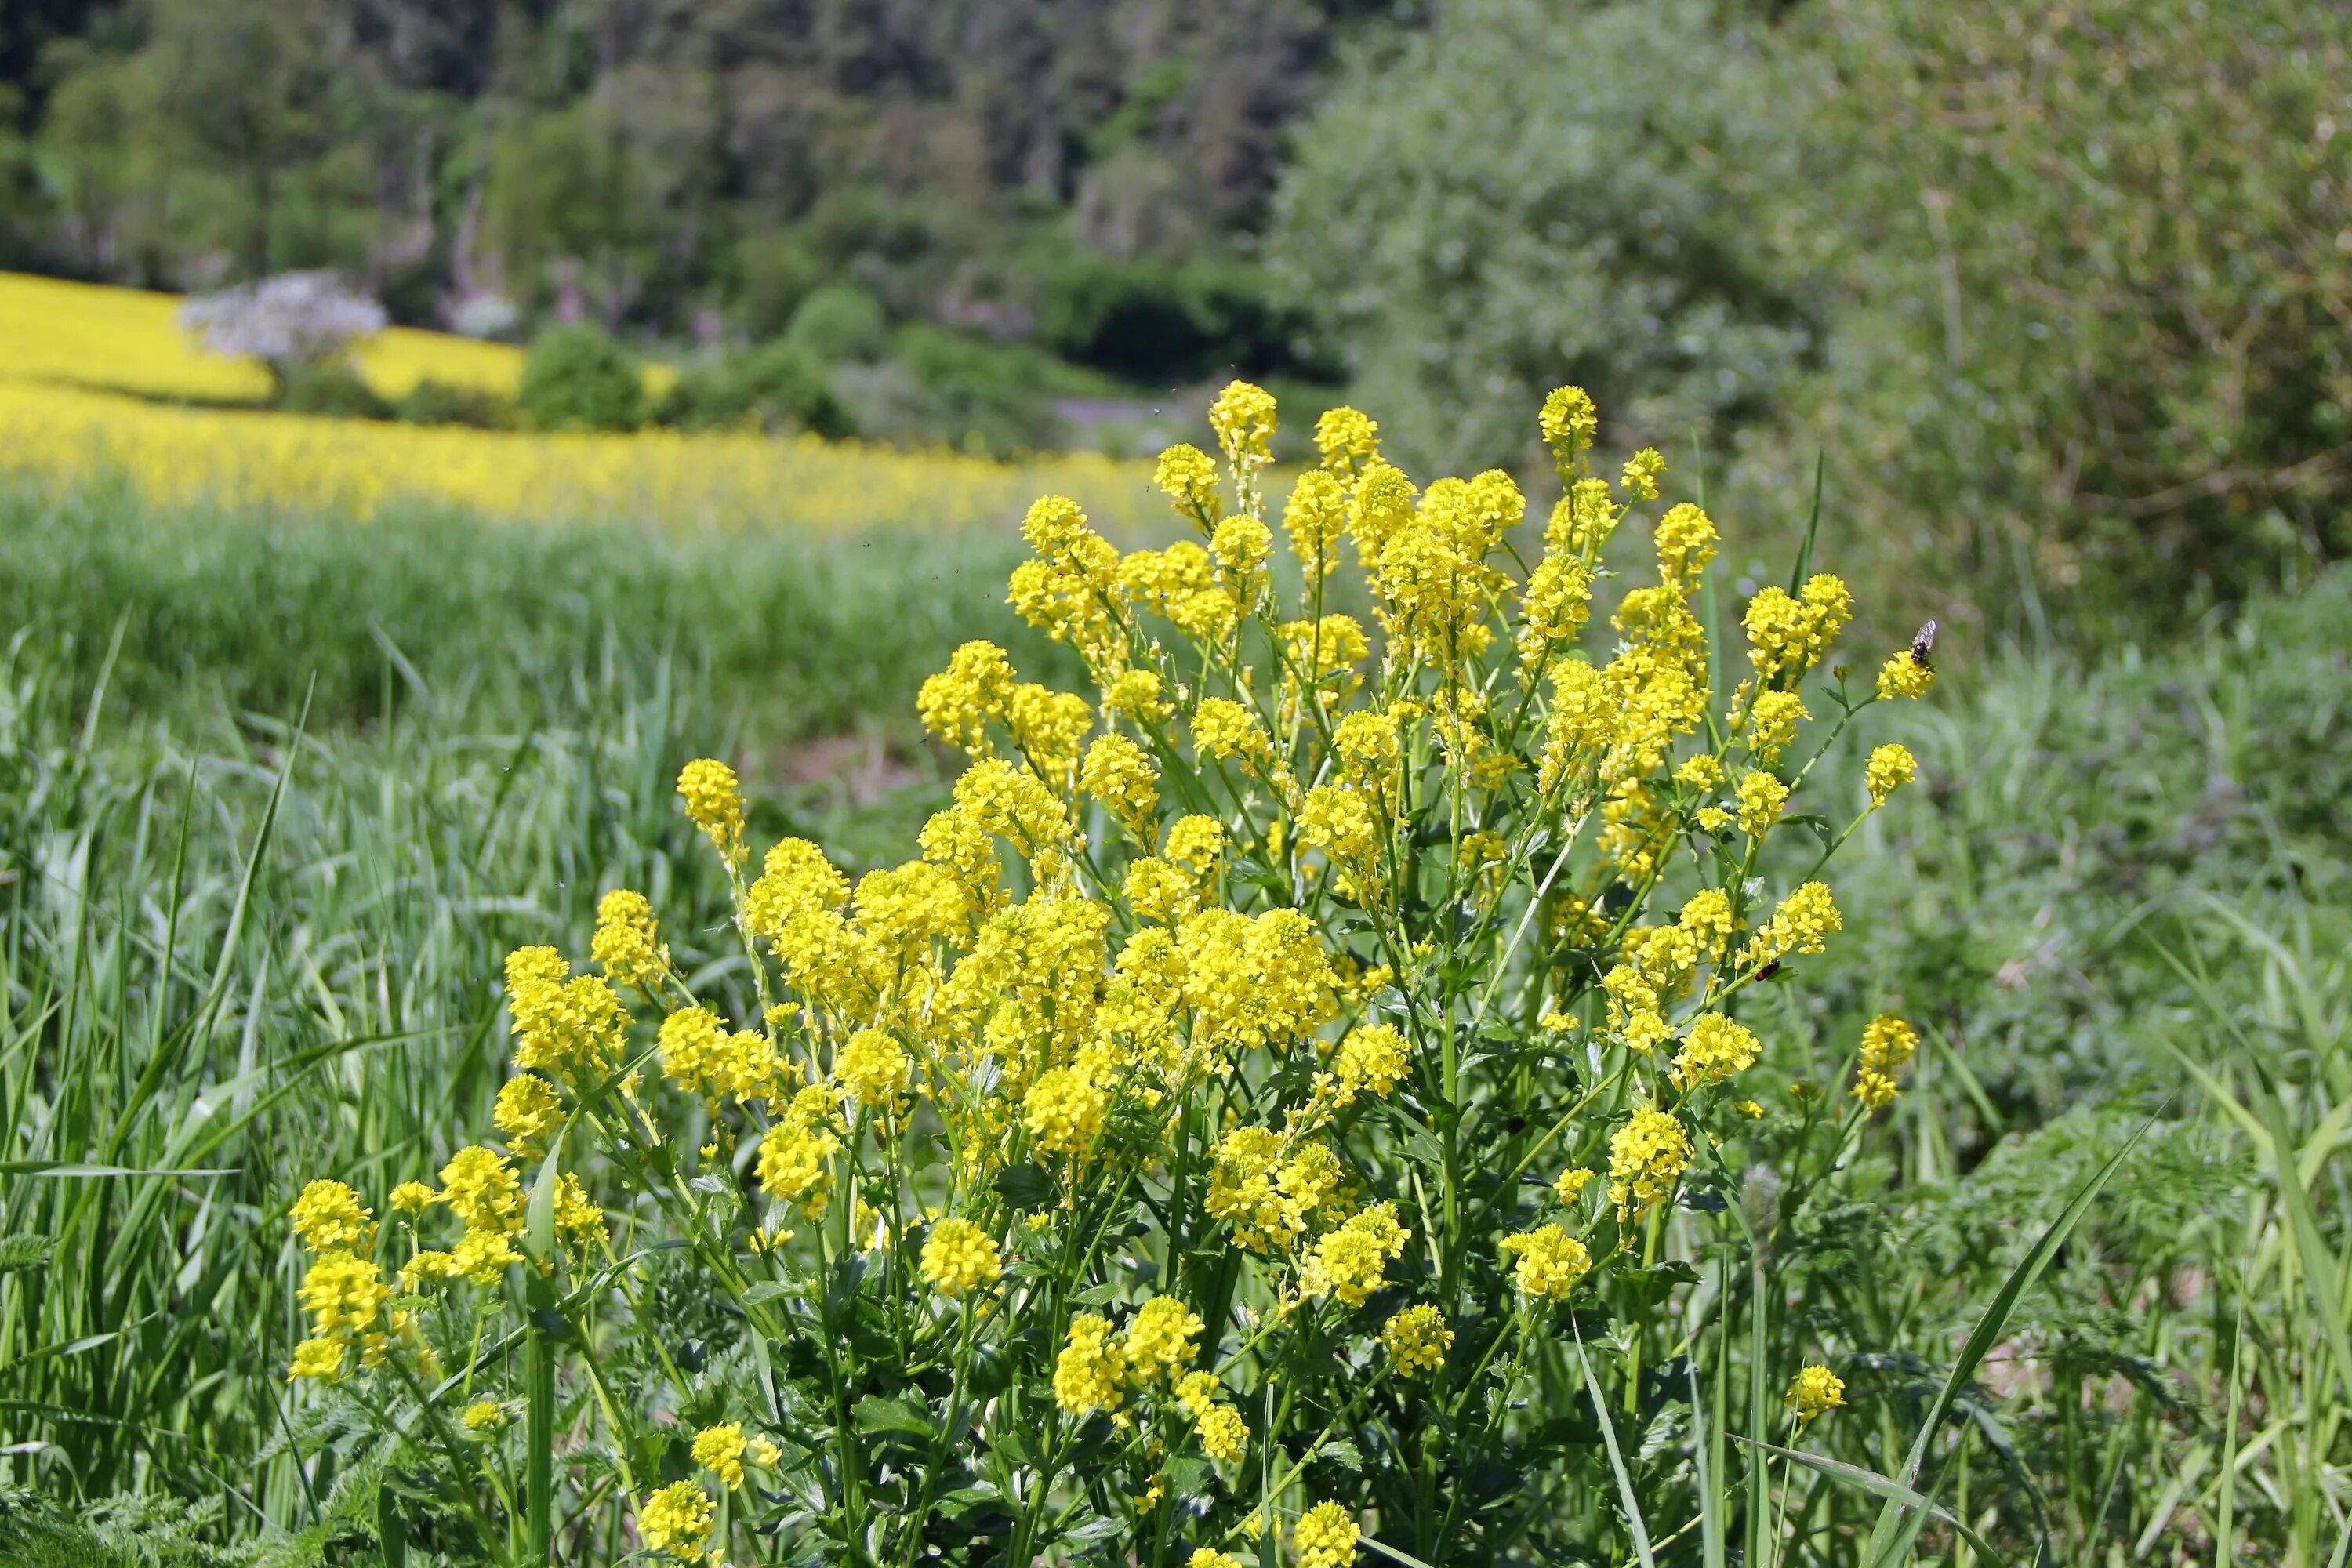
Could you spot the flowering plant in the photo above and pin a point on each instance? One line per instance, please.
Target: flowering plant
(1276, 1114)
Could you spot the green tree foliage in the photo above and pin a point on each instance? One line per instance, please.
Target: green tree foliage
(578, 378)
(1532, 193)
(2098, 275)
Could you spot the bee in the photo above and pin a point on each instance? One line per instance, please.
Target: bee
(1924, 644)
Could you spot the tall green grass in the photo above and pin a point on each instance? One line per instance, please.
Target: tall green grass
(784, 635)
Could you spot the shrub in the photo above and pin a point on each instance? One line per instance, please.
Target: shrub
(778, 387)
(1519, 190)
(839, 324)
(432, 401)
(1313, 1091)
(578, 378)
(332, 388)
(979, 395)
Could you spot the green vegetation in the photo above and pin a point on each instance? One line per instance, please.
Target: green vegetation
(578, 378)
(235, 947)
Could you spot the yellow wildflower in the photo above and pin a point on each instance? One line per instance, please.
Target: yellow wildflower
(1567, 422)
(1164, 1335)
(528, 1112)
(413, 1197)
(959, 1258)
(1323, 1537)
(1814, 1390)
(1373, 1057)
(1188, 476)
(1715, 1048)
(956, 703)
(1091, 1372)
(1550, 1262)
(1889, 769)
(1346, 440)
(1903, 675)
(1572, 1184)
(719, 1450)
(1887, 1044)
(1065, 1111)
(1646, 1158)
(714, 803)
(1224, 1435)
(1123, 777)
(1243, 418)
(873, 1066)
(676, 1520)
(1417, 1340)
(1640, 476)
(328, 1217)
(483, 1415)
(1351, 1260)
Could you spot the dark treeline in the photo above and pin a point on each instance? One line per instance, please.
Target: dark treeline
(1084, 175)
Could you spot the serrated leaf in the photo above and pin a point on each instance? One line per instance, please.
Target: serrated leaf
(1344, 1454)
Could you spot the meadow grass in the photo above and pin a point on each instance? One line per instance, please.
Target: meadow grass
(243, 946)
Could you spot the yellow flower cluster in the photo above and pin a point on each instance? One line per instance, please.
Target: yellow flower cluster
(1887, 1044)
(1890, 767)
(1324, 1537)
(960, 1259)
(344, 1293)
(1814, 1390)
(1550, 1262)
(1646, 1160)
(1715, 1048)
(1417, 1340)
(676, 1520)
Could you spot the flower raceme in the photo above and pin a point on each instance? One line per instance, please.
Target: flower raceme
(1167, 1112)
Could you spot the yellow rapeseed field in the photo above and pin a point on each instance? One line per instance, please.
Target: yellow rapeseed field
(82, 368)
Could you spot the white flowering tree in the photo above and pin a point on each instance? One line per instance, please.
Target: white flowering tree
(288, 322)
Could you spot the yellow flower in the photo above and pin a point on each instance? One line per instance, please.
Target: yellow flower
(528, 1112)
(1135, 694)
(1188, 476)
(571, 1029)
(1243, 418)
(1646, 1158)
(872, 1066)
(1685, 544)
(577, 1217)
(719, 1450)
(1814, 1389)
(1550, 1262)
(625, 942)
(1889, 769)
(1223, 727)
(714, 803)
(1123, 777)
(1345, 438)
(1065, 1111)
(1315, 517)
(1715, 1048)
(1762, 799)
(1417, 1340)
(1887, 1044)
(958, 703)
(1164, 1335)
(481, 1189)
(1091, 1372)
(1210, 1557)
(1772, 720)
(1323, 1537)
(1351, 1260)
(1640, 478)
(317, 1359)
(794, 1153)
(676, 1520)
(1800, 924)
(1567, 422)
(1905, 676)
(959, 1258)
(483, 1415)
(1373, 1057)
(329, 1218)
(413, 1197)
(1572, 1184)
(1224, 1433)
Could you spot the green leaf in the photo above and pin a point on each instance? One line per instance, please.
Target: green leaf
(1025, 1186)
(1871, 1481)
(899, 1414)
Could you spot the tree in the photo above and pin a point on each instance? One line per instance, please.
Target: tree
(1533, 193)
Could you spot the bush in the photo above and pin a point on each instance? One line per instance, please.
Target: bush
(840, 324)
(1232, 1121)
(432, 401)
(778, 387)
(1147, 320)
(1530, 190)
(332, 388)
(2096, 334)
(979, 395)
(578, 378)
